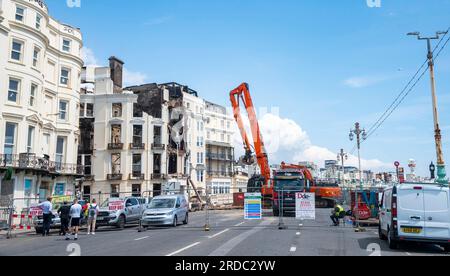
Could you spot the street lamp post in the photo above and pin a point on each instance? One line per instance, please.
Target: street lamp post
(441, 174)
(360, 135)
(342, 156)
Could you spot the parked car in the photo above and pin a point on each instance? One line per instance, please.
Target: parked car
(415, 212)
(120, 211)
(39, 223)
(166, 210)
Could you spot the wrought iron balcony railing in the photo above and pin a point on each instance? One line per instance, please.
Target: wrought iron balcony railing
(30, 161)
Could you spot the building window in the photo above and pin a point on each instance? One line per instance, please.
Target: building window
(13, 91)
(137, 165)
(200, 157)
(66, 45)
(157, 138)
(200, 176)
(16, 51)
(30, 140)
(10, 139)
(33, 92)
(82, 108)
(137, 111)
(115, 190)
(36, 57)
(137, 135)
(136, 190)
(117, 110)
(115, 163)
(116, 134)
(63, 110)
(38, 21)
(65, 76)
(60, 148)
(20, 13)
(89, 110)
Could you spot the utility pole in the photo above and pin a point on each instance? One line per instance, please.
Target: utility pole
(342, 156)
(441, 174)
(360, 135)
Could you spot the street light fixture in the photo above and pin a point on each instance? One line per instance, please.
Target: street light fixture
(360, 134)
(441, 174)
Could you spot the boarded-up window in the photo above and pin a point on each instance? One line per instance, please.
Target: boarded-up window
(115, 163)
(116, 110)
(116, 134)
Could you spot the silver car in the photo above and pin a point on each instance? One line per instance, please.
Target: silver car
(166, 210)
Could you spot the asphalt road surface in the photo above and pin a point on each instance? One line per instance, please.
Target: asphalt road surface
(230, 235)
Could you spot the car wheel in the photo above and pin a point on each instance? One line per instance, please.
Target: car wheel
(38, 231)
(380, 234)
(175, 221)
(121, 223)
(186, 220)
(392, 244)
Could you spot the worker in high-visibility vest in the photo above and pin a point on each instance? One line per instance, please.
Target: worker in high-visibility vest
(337, 213)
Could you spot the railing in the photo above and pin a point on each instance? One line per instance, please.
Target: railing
(216, 156)
(137, 176)
(219, 174)
(115, 146)
(30, 161)
(158, 176)
(137, 146)
(158, 146)
(114, 176)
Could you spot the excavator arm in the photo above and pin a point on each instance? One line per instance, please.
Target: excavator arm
(242, 94)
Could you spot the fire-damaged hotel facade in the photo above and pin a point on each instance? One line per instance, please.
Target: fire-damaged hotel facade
(39, 101)
(139, 139)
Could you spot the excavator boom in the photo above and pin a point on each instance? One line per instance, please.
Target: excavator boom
(242, 94)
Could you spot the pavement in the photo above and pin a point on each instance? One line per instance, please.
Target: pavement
(230, 235)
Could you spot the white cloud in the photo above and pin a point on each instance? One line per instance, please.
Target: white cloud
(88, 56)
(133, 78)
(129, 77)
(286, 141)
(361, 82)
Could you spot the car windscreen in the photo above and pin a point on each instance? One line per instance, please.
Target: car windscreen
(161, 203)
(289, 184)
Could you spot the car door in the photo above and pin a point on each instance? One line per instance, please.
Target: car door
(178, 209)
(437, 215)
(385, 212)
(411, 214)
(129, 210)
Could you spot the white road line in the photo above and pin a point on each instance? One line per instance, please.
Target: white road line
(409, 254)
(293, 249)
(298, 233)
(218, 234)
(300, 225)
(182, 249)
(239, 224)
(143, 238)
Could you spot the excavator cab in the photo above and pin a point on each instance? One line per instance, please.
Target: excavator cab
(255, 184)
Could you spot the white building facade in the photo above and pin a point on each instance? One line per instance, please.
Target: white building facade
(40, 70)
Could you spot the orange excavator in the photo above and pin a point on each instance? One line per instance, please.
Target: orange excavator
(258, 183)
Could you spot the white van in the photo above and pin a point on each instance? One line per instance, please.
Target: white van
(415, 212)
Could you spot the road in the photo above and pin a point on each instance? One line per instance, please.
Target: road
(230, 235)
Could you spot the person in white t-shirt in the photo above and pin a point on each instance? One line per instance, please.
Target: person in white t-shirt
(75, 217)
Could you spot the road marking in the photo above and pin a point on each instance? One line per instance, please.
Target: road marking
(293, 249)
(409, 254)
(231, 244)
(218, 234)
(300, 225)
(239, 224)
(183, 249)
(298, 233)
(143, 238)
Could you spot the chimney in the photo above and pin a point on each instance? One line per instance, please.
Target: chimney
(116, 66)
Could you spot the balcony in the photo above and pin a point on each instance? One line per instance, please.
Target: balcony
(158, 146)
(137, 176)
(219, 157)
(156, 176)
(114, 177)
(137, 146)
(29, 161)
(115, 146)
(219, 174)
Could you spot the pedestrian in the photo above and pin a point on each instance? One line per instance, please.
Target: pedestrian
(75, 217)
(47, 209)
(92, 217)
(64, 215)
(337, 214)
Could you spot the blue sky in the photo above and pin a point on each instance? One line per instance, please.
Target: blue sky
(325, 64)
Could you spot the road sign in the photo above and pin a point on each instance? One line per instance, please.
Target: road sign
(305, 206)
(253, 206)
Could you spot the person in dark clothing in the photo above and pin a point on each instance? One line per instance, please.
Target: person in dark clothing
(64, 215)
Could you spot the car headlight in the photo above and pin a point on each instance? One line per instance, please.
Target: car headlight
(169, 214)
